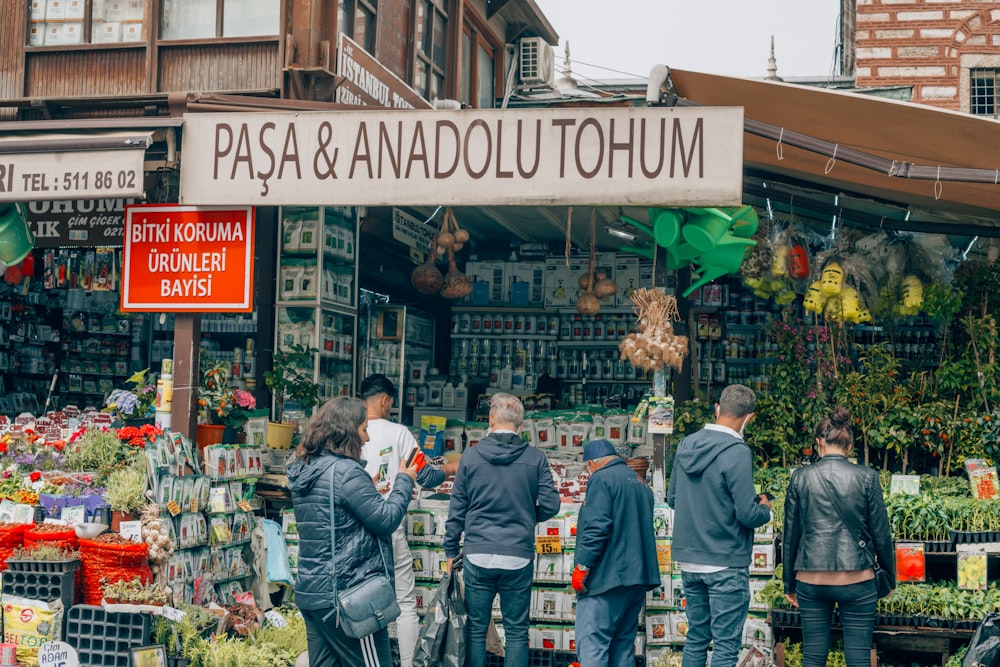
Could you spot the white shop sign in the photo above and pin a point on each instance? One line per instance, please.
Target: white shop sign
(71, 175)
(607, 156)
(412, 231)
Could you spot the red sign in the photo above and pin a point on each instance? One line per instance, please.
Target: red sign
(184, 259)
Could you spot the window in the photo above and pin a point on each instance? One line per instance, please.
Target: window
(208, 19)
(984, 84)
(430, 44)
(85, 22)
(357, 21)
(479, 51)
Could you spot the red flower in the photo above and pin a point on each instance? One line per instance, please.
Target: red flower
(3, 446)
(59, 445)
(35, 476)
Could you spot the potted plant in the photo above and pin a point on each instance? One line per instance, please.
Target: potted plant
(216, 400)
(135, 405)
(125, 492)
(290, 380)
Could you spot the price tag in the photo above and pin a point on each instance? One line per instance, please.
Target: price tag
(275, 619)
(245, 506)
(172, 614)
(548, 544)
(173, 508)
(194, 505)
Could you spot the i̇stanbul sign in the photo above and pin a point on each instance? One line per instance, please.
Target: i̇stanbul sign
(606, 156)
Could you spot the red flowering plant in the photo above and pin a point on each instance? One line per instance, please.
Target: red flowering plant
(139, 436)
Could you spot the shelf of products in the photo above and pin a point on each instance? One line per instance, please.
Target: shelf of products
(578, 350)
(317, 295)
(400, 344)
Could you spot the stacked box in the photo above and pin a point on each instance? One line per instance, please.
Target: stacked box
(762, 559)
(494, 274)
(532, 276)
(626, 278)
(560, 283)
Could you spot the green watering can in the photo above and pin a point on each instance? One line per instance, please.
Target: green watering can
(16, 239)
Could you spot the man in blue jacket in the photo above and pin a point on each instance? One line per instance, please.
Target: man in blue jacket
(615, 559)
(715, 512)
(502, 489)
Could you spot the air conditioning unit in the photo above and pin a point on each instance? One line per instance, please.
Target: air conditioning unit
(536, 63)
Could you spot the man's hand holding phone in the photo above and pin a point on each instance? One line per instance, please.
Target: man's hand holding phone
(414, 462)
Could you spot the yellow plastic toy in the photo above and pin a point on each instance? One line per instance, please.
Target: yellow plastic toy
(850, 303)
(912, 293)
(814, 299)
(832, 279)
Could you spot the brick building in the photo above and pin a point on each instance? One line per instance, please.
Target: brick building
(948, 52)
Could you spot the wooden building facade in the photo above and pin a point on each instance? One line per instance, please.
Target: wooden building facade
(107, 58)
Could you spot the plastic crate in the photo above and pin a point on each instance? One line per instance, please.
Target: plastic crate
(44, 586)
(102, 639)
(46, 566)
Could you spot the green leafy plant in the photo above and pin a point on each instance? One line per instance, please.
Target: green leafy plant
(125, 488)
(44, 552)
(290, 379)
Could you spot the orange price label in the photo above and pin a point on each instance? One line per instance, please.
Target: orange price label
(173, 508)
(194, 504)
(548, 544)
(245, 505)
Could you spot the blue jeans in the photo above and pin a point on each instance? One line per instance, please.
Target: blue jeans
(606, 625)
(717, 604)
(481, 586)
(857, 605)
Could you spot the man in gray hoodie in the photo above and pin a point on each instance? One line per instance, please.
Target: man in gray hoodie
(715, 513)
(503, 487)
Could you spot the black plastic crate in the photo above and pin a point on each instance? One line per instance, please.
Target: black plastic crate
(102, 639)
(44, 586)
(46, 566)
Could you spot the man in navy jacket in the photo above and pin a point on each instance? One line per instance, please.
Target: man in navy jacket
(503, 487)
(615, 559)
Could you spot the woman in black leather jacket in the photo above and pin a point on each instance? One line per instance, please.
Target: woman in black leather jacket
(364, 523)
(828, 553)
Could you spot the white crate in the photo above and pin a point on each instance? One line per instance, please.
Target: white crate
(36, 33)
(132, 31)
(134, 10)
(75, 10)
(72, 32)
(55, 10)
(53, 33)
(36, 10)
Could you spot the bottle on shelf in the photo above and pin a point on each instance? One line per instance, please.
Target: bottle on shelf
(462, 394)
(448, 395)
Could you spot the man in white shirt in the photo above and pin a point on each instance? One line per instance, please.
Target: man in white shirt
(390, 445)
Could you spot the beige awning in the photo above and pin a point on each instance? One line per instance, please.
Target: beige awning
(910, 140)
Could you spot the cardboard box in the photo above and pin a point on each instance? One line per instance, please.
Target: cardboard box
(762, 559)
(135, 10)
(658, 629)
(53, 37)
(55, 10)
(550, 567)
(36, 33)
(626, 277)
(75, 10)
(545, 637)
(114, 10)
(72, 32)
(494, 273)
(560, 284)
(757, 632)
(661, 596)
(132, 31)
(532, 275)
(106, 32)
(547, 604)
(36, 10)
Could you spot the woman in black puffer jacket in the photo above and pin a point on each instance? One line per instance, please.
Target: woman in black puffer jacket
(364, 522)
